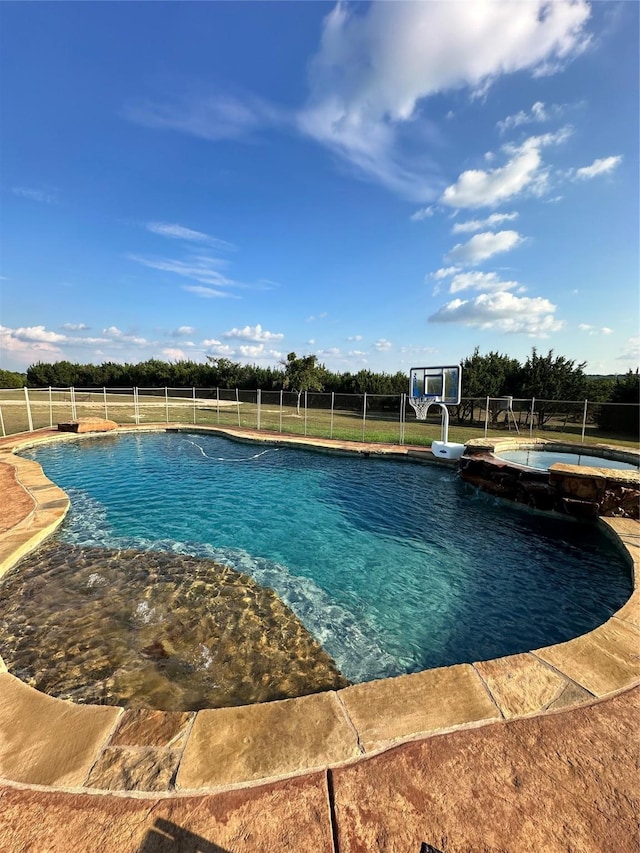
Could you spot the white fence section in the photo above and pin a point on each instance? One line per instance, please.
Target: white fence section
(357, 417)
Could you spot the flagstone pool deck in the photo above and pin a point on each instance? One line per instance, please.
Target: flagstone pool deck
(537, 751)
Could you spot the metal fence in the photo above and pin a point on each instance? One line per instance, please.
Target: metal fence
(357, 417)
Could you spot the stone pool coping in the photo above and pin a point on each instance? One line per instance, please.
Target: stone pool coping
(55, 743)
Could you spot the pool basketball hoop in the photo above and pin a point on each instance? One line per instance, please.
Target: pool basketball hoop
(440, 386)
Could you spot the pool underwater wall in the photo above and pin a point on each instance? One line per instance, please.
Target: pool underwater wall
(587, 492)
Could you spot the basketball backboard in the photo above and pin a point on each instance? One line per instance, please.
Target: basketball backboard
(437, 384)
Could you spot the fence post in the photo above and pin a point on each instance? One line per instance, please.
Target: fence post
(166, 404)
(305, 412)
(281, 394)
(2, 423)
(106, 410)
(74, 408)
(584, 419)
(401, 431)
(486, 418)
(193, 389)
(238, 405)
(533, 408)
(218, 404)
(259, 401)
(364, 414)
(29, 418)
(333, 399)
(136, 405)
(50, 409)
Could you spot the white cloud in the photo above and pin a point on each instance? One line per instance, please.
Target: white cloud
(479, 224)
(594, 330)
(39, 333)
(34, 343)
(631, 351)
(537, 113)
(356, 353)
(74, 327)
(599, 167)
(183, 330)
(175, 354)
(375, 67)
(423, 213)
(258, 352)
(249, 351)
(331, 351)
(215, 347)
(314, 317)
(179, 232)
(206, 115)
(382, 345)
(208, 292)
(354, 338)
(444, 272)
(417, 350)
(202, 268)
(479, 188)
(253, 333)
(485, 281)
(26, 347)
(115, 333)
(42, 196)
(503, 312)
(483, 246)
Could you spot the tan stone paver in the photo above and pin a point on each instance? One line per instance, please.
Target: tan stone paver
(603, 661)
(522, 684)
(630, 612)
(46, 741)
(265, 741)
(384, 712)
(121, 768)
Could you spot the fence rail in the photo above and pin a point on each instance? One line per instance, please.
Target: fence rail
(359, 417)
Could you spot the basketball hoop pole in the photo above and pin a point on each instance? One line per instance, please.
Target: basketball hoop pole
(445, 419)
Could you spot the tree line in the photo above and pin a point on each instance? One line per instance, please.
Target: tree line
(547, 377)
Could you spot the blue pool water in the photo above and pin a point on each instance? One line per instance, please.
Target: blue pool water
(393, 567)
(544, 459)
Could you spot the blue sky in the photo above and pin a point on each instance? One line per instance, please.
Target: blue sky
(384, 185)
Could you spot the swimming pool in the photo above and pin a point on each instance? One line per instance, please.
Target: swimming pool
(393, 567)
(544, 459)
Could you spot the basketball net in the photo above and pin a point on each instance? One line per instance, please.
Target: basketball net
(420, 406)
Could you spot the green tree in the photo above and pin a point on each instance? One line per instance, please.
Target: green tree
(624, 417)
(11, 379)
(491, 375)
(303, 374)
(548, 378)
(60, 374)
